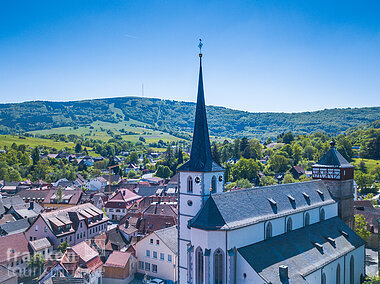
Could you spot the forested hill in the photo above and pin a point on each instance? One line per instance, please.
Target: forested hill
(177, 117)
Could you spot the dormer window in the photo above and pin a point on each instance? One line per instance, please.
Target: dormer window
(321, 195)
(307, 197)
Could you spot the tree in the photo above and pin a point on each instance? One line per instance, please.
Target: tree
(241, 183)
(59, 194)
(35, 155)
(288, 138)
(62, 247)
(245, 169)
(279, 163)
(37, 264)
(163, 172)
(288, 178)
(215, 154)
(13, 175)
(308, 152)
(266, 180)
(372, 279)
(180, 156)
(131, 174)
(364, 180)
(345, 148)
(133, 157)
(361, 227)
(78, 148)
(297, 154)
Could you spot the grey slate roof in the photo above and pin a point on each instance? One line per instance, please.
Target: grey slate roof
(296, 250)
(170, 237)
(200, 155)
(15, 227)
(333, 159)
(40, 244)
(234, 209)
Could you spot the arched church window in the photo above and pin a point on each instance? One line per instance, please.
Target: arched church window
(352, 271)
(199, 266)
(213, 184)
(289, 224)
(268, 231)
(338, 274)
(307, 219)
(218, 266)
(322, 215)
(189, 184)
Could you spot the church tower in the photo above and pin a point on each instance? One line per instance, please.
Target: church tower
(338, 174)
(199, 177)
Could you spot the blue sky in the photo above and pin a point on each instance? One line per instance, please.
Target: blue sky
(259, 55)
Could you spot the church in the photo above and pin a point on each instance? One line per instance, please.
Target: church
(287, 233)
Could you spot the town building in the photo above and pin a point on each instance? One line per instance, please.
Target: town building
(73, 224)
(157, 254)
(116, 207)
(288, 233)
(119, 268)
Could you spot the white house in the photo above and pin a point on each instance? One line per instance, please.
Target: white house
(157, 254)
(288, 233)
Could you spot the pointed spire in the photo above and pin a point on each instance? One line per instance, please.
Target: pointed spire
(200, 155)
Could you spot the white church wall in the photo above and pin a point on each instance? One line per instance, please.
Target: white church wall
(245, 274)
(297, 220)
(314, 278)
(190, 208)
(331, 210)
(183, 255)
(330, 270)
(359, 255)
(314, 215)
(278, 226)
(183, 230)
(207, 181)
(245, 236)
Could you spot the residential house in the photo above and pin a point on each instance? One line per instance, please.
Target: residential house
(157, 254)
(7, 276)
(97, 184)
(16, 227)
(116, 207)
(297, 171)
(42, 246)
(371, 215)
(69, 198)
(73, 224)
(80, 181)
(36, 195)
(79, 264)
(15, 253)
(120, 267)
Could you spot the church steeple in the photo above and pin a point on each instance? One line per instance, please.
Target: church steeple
(200, 155)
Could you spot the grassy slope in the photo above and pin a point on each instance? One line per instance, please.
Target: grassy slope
(100, 127)
(8, 140)
(369, 163)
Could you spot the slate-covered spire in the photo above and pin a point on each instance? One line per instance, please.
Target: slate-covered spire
(200, 155)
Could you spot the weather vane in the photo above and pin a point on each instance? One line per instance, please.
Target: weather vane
(200, 47)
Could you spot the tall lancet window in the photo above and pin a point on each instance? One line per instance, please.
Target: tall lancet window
(307, 219)
(213, 184)
(218, 266)
(322, 215)
(289, 225)
(189, 184)
(199, 266)
(268, 231)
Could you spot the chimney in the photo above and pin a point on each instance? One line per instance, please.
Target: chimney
(283, 271)
(31, 205)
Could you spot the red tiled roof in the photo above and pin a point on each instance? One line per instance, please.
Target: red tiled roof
(118, 259)
(13, 245)
(84, 251)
